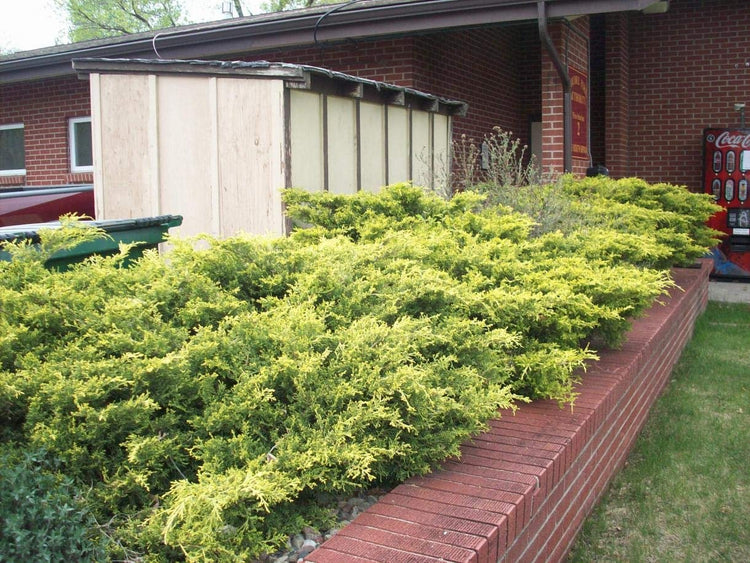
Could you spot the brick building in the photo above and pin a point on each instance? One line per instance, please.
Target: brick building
(645, 77)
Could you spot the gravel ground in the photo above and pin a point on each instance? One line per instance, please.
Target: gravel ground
(303, 543)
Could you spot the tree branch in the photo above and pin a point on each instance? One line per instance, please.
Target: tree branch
(98, 24)
(138, 16)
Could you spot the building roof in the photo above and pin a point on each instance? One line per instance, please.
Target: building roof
(358, 19)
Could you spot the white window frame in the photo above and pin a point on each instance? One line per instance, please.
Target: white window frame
(74, 167)
(16, 171)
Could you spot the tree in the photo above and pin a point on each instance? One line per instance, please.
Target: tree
(92, 19)
(238, 8)
(281, 5)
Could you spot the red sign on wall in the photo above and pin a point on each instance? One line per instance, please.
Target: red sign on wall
(579, 94)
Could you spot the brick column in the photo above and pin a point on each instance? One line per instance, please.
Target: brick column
(571, 42)
(617, 94)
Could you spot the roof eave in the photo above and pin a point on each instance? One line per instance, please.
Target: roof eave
(250, 34)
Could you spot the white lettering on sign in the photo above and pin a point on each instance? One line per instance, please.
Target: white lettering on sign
(727, 140)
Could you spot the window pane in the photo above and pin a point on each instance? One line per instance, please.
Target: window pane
(11, 149)
(82, 144)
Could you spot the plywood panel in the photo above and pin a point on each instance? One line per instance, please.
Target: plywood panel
(306, 128)
(372, 139)
(126, 141)
(185, 139)
(398, 145)
(441, 152)
(421, 137)
(251, 155)
(342, 145)
(96, 141)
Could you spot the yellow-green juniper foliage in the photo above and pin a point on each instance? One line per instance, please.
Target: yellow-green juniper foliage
(203, 400)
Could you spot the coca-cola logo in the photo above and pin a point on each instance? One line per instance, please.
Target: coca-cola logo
(729, 139)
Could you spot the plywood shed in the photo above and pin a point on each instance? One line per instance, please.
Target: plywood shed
(215, 141)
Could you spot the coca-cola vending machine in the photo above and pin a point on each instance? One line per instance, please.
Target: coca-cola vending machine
(726, 173)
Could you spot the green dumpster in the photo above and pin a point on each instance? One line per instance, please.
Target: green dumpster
(143, 233)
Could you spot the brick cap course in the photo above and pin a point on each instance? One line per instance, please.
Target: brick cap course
(521, 491)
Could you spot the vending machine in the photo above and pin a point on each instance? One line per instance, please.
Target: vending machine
(726, 173)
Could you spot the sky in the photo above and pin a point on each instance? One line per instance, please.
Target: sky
(31, 24)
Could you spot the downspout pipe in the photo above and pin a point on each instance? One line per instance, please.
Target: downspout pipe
(562, 72)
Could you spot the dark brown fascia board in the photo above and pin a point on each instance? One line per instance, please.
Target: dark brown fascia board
(258, 33)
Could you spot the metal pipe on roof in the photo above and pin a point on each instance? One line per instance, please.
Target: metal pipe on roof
(562, 72)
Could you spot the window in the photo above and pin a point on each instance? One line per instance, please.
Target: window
(12, 155)
(79, 133)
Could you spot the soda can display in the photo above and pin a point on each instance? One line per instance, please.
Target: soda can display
(742, 189)
(729, 189)
(730, 161)
(717, 161)
(716, 189)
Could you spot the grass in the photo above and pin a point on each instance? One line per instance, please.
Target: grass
(684, 494)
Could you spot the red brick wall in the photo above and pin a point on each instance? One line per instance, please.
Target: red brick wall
(612, 410)
(482, 67)
(617, 103)
(389, 60)
(44, 108)
(687, 69)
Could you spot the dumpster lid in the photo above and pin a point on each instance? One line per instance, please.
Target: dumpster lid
(30, 231)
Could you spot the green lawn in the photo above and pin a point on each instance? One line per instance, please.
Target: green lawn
(684, 494)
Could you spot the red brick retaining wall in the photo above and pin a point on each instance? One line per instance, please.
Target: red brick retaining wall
(521, 491)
